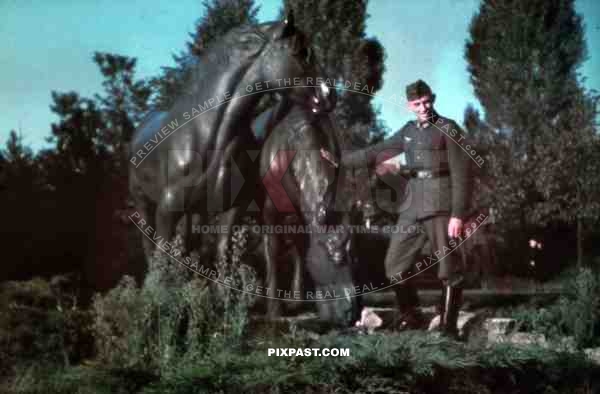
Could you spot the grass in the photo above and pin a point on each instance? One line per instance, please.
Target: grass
(176, 335)
(412, 362)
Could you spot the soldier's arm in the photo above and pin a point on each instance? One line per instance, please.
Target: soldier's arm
(458, 162)
(375, 154)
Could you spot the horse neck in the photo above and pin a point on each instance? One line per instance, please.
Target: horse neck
(237, 82)
(329, 133)
(221, 74)
(315, 190)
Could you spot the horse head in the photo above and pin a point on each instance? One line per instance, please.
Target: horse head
(312, 184)
(288, 63)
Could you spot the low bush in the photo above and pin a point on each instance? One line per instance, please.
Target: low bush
(37, 322)
(41, 325)
(174, 316)
(412, 362)
(576, 313)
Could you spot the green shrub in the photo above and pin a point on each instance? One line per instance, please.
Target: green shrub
(576, 313)
(40, 323)
(408, 362)
(236, 303)
(580, 307)
(174, 317)
(40, 379)
(413, 362)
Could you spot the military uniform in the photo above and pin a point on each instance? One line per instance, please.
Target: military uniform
(437, 190)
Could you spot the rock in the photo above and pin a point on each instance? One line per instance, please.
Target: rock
(567, 344)
(518, 338)
(429, 310)
(593, 354)
(369, 320)
(525, 338)
(498, 329)
(499, 325)
(434, 324)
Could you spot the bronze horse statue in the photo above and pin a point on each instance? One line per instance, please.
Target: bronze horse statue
(177, 155)
(183, 161)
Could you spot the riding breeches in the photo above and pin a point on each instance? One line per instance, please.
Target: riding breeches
(404, 261)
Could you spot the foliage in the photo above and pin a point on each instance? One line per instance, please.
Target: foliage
(337, 33)
(23, 194)
(575, 314)
(125, 101)
(521, 76)
(518, 92)
(88, 379)
(236, 303)
(523, 59)
(173, 318)
(59, 205)
(408, 362)
(580, 307)
(218, 18)
(41, 323)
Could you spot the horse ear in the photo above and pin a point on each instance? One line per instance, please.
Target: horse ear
(287, 28)
(289, 18)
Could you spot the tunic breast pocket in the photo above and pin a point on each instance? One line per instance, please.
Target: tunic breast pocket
(438, 155)
(430, 150)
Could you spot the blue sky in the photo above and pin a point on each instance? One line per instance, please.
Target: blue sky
(49, 46)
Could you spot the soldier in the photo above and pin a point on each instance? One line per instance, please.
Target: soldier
(436, 205)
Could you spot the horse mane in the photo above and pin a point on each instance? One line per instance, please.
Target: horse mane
(246, 41)
(240, 45)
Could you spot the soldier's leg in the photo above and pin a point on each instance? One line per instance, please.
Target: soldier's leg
(400, 259)
(450, 272)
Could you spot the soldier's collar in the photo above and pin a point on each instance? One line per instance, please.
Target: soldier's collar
(424, 125)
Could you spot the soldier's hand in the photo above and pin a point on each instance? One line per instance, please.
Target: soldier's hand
(325, 154)
(455, 227)
(385, 167)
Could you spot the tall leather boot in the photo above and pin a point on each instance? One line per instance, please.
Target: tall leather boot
(409, 316)
(450, 310)
(441, 306)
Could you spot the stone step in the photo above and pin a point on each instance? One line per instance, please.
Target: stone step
(499, 325)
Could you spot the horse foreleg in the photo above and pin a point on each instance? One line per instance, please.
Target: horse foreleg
(271, 252)
(271, 247)
(298, 278)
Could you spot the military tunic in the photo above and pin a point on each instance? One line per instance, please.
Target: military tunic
(437, 191)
